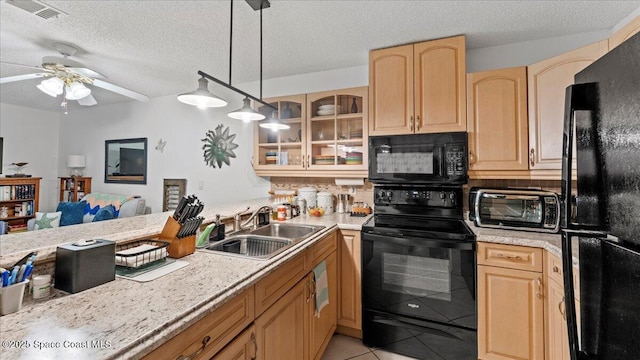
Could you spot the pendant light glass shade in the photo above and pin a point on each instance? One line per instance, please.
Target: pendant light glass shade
(246, 113)
(202, 98)
(52, 86)
(274, 123)
(77, 91)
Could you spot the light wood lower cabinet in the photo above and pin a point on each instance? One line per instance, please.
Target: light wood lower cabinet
(510, 305)
(209, 335)
(244, 347)
(323, 326)
(556, 335)
(281, 331)
(350, 289)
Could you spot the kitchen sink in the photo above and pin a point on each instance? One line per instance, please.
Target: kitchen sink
(263, 243)
(253, 246)
(288, 231)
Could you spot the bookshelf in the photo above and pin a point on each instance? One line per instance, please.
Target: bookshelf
(19, 199)
(74, 188)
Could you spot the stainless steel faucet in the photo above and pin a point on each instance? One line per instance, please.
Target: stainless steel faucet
(254, 217)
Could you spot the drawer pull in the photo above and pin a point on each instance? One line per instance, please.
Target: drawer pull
(255, 346)
(562, 309)
(539, 291)
(205, 341)
(556, 269)
(509, 257)
(411, 123)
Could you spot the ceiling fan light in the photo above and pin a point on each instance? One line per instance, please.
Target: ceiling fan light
(274, 124)
(52, 86)
(77, 91)
(202, 98)
(246, 113)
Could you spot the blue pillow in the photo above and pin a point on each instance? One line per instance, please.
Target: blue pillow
(106, 213)
(72, 212)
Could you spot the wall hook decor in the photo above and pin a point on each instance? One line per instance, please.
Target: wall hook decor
(218, 147)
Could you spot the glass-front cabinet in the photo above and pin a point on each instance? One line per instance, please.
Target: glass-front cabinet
(284, 149)
(337, 130)
(328, 133)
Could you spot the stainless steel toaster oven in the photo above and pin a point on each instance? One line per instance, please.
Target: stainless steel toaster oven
(516, 209)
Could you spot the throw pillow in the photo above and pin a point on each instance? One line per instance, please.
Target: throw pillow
(71, 212)
(106, 213)
(47, 220)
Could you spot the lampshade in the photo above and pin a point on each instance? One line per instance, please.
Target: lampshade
(202, 98)
(52, 86)
(274, 123)
(76, 91)
(76, 161)
(246, 113)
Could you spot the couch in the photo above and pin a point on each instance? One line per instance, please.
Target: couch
(126, 206)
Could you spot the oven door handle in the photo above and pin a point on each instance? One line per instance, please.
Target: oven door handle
(432, 328)
(412, 241)
(510, 196)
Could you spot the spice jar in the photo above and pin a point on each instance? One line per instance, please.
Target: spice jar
(282, 213)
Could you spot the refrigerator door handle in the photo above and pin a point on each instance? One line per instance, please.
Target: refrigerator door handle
(577, 97)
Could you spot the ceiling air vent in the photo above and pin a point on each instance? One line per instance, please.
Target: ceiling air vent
(37, 7)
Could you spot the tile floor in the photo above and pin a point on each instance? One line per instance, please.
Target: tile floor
(344, 347)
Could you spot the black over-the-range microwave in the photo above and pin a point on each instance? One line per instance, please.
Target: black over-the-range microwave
(430, 159)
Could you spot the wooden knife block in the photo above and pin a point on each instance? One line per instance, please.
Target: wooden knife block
(177, 247)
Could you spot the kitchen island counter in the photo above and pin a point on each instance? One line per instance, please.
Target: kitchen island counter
(125, 319)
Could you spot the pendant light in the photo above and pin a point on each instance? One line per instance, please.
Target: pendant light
(201, 97)
(246, 113)
(274, 124)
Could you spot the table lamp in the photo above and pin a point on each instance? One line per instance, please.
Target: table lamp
(76, 163)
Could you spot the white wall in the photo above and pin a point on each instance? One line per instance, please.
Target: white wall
(182, 127)
(32, 136)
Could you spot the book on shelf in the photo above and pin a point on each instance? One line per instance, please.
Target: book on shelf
(17, 228)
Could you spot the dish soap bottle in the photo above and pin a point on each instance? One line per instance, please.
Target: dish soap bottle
(203, 240)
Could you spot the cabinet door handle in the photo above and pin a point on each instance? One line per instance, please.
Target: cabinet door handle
(255, 346)
(532, 155)
(418, 124)
(205, 341)
(411, 125)
(556, 269)
(308, 161)
(539, 291)
(562, 309)
(509, 257)
(308, 292)
(472, 158)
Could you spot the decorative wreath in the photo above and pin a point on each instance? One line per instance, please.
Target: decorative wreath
(218, 147)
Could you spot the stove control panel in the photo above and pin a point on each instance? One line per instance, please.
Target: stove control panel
(418, 196)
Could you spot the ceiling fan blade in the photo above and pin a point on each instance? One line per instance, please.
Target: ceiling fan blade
(87, 72)
(9, 79)
(22, 65)
(88, 100)
(120, 90)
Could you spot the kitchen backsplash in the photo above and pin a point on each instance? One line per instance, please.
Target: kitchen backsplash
(363, 193)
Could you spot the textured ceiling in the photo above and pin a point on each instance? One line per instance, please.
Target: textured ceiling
(157, 47)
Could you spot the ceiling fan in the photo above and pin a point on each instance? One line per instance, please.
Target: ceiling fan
(65, 76)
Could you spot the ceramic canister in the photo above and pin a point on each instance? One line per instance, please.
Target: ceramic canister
(309, 194)
(325, 201)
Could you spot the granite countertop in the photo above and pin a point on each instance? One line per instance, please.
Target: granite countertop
(128, 319)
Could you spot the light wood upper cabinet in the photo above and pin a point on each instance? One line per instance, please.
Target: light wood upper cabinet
(391, 90)
(439, 83)
(418, 88)
(624, 33)
(497, 120)
(547, 81)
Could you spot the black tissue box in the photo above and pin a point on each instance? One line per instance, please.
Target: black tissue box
(85, 264)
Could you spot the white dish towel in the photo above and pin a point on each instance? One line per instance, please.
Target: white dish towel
(322, 287)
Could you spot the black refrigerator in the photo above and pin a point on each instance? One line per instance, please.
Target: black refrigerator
(601, 210)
